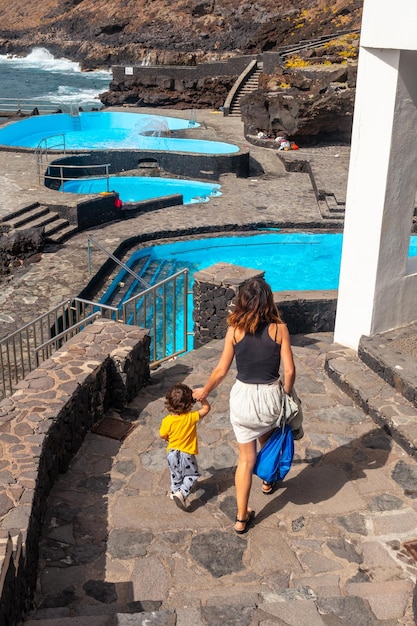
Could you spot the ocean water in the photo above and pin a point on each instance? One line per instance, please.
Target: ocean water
(54, 81)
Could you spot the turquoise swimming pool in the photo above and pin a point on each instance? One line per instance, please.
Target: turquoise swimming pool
(291, 261)
(98, 130)
(138, 188)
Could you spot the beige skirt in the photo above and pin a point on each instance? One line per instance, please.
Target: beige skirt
(254, 409)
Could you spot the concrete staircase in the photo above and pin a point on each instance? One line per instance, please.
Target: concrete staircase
(381, 379)
(251, 84)
(38, 215)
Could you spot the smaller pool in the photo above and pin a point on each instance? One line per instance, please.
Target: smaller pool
(138, 188)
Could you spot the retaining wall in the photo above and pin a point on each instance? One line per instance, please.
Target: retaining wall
(215, 288)
(185, 164)
(155, 73)
(41, 428)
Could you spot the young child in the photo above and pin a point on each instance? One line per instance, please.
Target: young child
(179, 429)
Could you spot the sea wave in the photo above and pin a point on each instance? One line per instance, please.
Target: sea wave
(42, 59)
(40, 78)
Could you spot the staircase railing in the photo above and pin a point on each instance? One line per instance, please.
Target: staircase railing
(162, 308)
(242, 78)
(60, 172)
(113, 258)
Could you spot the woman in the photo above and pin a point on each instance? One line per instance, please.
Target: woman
(259, 340)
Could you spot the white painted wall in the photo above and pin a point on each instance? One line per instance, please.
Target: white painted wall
(378, 286)
(389, 24)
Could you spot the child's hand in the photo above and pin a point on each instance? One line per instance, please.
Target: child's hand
(198, 394)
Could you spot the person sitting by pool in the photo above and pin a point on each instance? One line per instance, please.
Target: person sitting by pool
(117, 202)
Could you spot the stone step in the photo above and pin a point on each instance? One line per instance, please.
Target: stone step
(45, 219)
(61, 232)
(392, 355)
(56, 229)
(25, 217)
(300, 605)
(333, 204)
(387, 407)
(17, 212)
(99, 620)
(327, 214)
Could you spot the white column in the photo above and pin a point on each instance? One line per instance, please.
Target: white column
(368, 169)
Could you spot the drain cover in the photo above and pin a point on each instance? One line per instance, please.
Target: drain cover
(411, 547)
(114, 428)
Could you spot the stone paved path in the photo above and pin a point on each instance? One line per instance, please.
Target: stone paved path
(326, 548)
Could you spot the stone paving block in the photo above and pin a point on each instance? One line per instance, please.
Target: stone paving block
(317, 563)
(272, 552)
(374, 481)
(294, 612)
(376, 554)
(153, 618)
(399, 524)
(327, 585)
(186, 575)
(189, 617)
(349, 611)
(157, 513)
(388, 600)
(150, 579)
(320, 490)
(55, 579)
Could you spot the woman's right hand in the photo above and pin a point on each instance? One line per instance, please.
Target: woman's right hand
(198, 394)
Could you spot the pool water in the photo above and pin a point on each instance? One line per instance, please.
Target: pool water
(98, 130)
(301, 261)
(291, 261)
(138, 188)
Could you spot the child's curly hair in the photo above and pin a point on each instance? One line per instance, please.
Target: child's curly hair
(179, 399)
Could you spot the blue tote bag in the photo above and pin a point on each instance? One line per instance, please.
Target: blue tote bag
(274, 459)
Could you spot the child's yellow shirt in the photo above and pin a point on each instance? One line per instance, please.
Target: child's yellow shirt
(181, 432)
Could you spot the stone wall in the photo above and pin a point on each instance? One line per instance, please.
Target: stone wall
(156, 73)
(215, 288)
(41, 428)
(201, 86)
(187, 165)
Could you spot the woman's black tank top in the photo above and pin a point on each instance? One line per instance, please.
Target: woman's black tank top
(258, 357)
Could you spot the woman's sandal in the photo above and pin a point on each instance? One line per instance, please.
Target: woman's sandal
(248, 521)
(267, 488)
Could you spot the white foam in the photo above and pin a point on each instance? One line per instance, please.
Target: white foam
(41, 58)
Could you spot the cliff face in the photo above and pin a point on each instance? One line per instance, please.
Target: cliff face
(101, 33)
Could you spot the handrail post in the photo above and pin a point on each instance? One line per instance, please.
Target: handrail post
(90, 269)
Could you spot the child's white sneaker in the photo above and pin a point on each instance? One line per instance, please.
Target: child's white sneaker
(180, 500)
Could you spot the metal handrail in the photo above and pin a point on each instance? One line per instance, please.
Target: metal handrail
(115, 259)
(64, 166)
(23, 350)
(241, 79)
(42, 149)
(141, 307)
(65, 335)
(42, 105)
